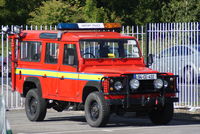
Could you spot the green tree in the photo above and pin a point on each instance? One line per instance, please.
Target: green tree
(16, 12)
(3, 11)
(118, 10)
(131, 12)
(181, 11)
(2, 3)
(52, 12)
(127, 12)
(146, 11)
(93, 14)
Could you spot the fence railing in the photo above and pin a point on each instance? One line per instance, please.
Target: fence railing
(164, 41)
(176, 49)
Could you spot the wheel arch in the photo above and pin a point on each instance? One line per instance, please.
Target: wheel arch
(31, 82)
(90, 87)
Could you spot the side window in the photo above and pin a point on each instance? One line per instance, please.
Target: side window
(184, 51)
(70, 55)
(169, 52)
(52, 51)
(30, 51)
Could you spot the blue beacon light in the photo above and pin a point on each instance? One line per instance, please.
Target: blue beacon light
(69, 26)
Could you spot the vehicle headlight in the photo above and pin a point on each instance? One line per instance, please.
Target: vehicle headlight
(158, 83)
(134, 84)
(118, 85)
(165, 83)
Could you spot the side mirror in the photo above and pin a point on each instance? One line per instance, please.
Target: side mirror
(150, 60)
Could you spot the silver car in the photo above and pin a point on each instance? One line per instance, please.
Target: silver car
(182, 60)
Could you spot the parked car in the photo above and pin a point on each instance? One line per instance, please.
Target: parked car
(182, 60)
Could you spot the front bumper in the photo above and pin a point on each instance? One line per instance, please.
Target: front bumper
(145, 95)
(143, 101)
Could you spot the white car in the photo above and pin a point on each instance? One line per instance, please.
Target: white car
(182, 60)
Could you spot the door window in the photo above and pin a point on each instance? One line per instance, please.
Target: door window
(70, 55)
(30, 51)
(52, 51)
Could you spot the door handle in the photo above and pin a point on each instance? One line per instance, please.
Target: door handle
(20, 74)
(44, 76)
(62, 77)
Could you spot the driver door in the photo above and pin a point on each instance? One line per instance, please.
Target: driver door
(68, 76)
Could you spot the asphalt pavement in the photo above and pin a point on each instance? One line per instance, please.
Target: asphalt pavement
(73, 122)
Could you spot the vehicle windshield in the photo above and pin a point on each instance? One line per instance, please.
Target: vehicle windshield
(107, 48)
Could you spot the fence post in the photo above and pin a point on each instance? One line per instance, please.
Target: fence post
(147, 44)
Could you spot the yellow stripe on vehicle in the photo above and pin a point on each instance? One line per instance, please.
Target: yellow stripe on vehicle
(90, 76)
(59, 74)
(68, 75)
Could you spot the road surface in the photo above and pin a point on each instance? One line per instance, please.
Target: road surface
(70, 122)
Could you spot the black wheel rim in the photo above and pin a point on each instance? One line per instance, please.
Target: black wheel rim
(94, 110)
(33, 106)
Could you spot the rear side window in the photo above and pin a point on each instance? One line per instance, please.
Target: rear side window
(52, 51)
(30, 51)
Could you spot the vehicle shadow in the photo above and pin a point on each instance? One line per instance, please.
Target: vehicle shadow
(133, 120)
(70, 118)
(189, 117)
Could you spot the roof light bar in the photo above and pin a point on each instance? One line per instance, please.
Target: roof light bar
(88, 26)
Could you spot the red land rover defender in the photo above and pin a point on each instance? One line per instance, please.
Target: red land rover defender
(88, 67)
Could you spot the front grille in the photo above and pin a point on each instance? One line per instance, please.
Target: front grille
(146, 85)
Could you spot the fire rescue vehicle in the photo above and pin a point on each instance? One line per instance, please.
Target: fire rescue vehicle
(88, 66)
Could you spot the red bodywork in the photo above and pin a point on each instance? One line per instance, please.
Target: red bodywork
(72, 89)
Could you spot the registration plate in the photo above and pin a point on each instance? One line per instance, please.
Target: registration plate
(145, 76)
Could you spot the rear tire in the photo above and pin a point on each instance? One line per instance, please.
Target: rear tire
(35, 106)
(97, 111)
(162, 115)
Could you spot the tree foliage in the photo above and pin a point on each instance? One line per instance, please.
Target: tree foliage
(127, 12)
(16, 11)
(181, 11)
(52, 12)
(92, 13)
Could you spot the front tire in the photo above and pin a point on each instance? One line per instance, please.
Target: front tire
(162, 115)
(35, 106)
(97, 111)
